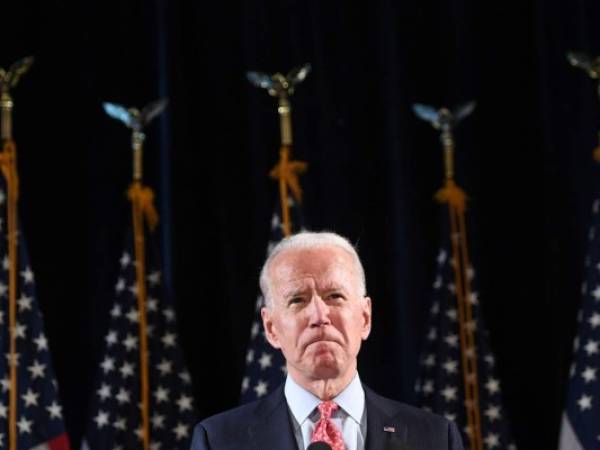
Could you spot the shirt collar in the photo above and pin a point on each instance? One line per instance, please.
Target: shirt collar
(302, 402)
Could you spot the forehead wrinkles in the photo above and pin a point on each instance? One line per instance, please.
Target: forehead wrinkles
(327, 267)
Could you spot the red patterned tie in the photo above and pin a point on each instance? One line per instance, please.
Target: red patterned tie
(325, 430)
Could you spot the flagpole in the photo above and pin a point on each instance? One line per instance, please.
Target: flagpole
(9, 168)
(286, 170)
(8, 165)
(455, 197)
(135, 193)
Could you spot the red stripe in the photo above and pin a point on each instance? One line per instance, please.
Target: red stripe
(59, 442)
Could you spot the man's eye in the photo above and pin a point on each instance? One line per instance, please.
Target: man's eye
(295, 301)
(336, 296)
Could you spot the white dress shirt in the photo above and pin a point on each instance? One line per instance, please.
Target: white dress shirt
(350, 418)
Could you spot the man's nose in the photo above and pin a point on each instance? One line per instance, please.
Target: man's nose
(319, 312)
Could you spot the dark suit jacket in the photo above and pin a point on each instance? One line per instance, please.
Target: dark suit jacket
(266, 425)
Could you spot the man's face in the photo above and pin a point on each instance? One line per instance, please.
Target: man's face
(317, 315)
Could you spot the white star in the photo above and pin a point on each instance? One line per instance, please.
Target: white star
(184, 403)
(596, 293)
(108, 364)
(120, 286)
(126, 370)
(116, 311)
(27, 275)
(429, 361)
(158, 421)
(589, 374)
(41, 342)
(30, 398)
(489, 359)
(37, 369)
(165, 367)
(20, 330)
(432, 334)
(265, 361)
(594, 320)
(169, 339)
(185, 377)
(111, 338)
(474, 298)
(12, 360)
(125, 260)
(24, 425)
(169, 314)
(123, 396)
(24, 303)
(120, 424)
(261, 388)
(3, 410)
(585, 402)
(245, 384)
(471, 325)
(3, 289)
(155, 445)
(435, 308)
(55, 410)
(5, 382)
(130, 342)
(181, 431)
(249, 356)
(470, 273)
(441, 258)
(492, 385)
(139, 432)
(101, 419)
(161, 394)
(428, 387)
(492, 440)
(104, 391)
(255, 330)
(591, 348)
(1, 317)
(449, 416)
(449, 393)
(133, 315)
(152, 304)
(451, 366)
(154, 278)
(493, 413)
(452, 314)
(451, 340)
(438, 282)
(133, 289)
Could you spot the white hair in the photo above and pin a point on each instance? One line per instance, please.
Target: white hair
(310, 240)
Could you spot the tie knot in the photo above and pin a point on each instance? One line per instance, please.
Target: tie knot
(327, 408)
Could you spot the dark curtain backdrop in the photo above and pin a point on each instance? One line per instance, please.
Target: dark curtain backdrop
(524, 158)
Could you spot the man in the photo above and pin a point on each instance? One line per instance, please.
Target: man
(317, 312)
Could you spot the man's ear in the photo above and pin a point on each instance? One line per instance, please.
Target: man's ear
(366, 314)
(270, 329)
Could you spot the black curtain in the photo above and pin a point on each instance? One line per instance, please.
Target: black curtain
(524, 158)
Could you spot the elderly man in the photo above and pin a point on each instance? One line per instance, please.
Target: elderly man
(317, 312)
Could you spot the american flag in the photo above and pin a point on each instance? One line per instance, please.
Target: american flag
(265, 365)
(440, 387)
(39, 412)
(581, 418)
(115, 420)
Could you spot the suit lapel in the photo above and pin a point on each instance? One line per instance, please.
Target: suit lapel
(273, 428)
(382, 428)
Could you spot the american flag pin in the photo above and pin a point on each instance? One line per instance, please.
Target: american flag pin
(389, 429)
